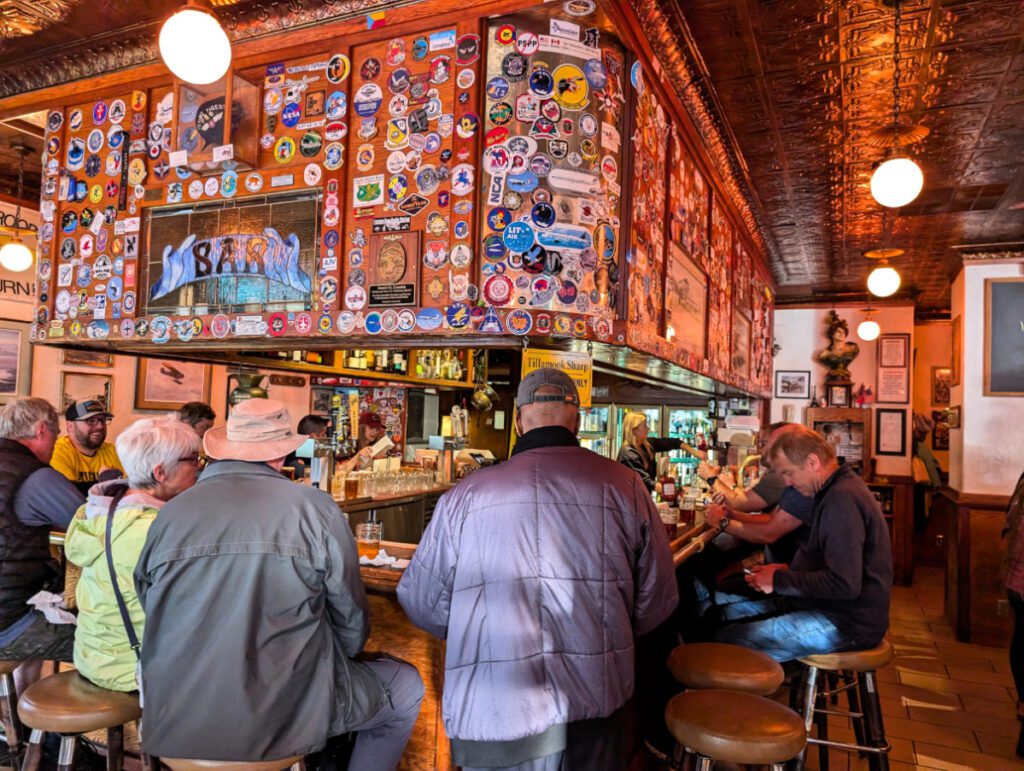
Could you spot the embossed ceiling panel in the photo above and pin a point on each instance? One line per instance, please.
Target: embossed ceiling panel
(803, 84)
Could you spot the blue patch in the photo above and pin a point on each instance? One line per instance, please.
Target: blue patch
(457, 315)
(290, 115)
(429, 318)
(373, 324)
(494, 247)
(519, 236)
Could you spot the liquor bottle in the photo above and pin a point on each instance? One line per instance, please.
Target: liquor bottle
(668, 489)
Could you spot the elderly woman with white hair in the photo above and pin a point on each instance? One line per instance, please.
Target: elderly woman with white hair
(161, 459)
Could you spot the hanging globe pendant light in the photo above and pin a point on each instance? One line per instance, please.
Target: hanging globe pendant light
(883, 281)
(868, 329)
(898, 179)
(194, 46)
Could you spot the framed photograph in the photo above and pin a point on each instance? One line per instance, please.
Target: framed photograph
(839, 395)
(954, 378)
(890, 432)
(76, 386)
(15, 360)
(76, 358)
(893, 350)
(941, 377)
(1004, 337)
(740, 344)
(792, 384)
(940, 438)
(953, 417)
(161, 384)
(320, 400)
(686, 300)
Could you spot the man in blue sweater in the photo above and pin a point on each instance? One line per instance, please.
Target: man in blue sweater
(835, 593)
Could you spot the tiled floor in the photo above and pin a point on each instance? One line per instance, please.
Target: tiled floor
(947, 705)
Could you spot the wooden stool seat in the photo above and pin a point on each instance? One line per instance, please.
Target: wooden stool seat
(853, 661)
(7, 667)
(182, 764)
(721, 665)
(735, 727)
(67, 703)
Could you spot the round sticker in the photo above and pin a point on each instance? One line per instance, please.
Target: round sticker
(518, 236)
(541, 82)
(211, 186)
(465, 78)
(335, 106)
(254, 182)
(284, 150)
(273, 101)
(498, 290)
(334, 156)
(290, 115)
(513, 66)
(99, 113)
(519, 322)
(497, 88)
(95, 140)
(338, 68)
(229, 183)
(372, 324)
(527, 43)
(370, 69)
(195, 189)
(505, 34)
(310, 144)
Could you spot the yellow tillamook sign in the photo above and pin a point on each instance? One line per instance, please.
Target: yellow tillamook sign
(578, 366)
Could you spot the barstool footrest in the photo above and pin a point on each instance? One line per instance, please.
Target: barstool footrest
(849, 747)
(838, 713)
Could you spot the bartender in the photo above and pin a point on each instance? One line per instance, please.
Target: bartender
(371, 429)
(638, 451)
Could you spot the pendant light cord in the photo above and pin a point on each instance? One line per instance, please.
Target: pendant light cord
(896, 78)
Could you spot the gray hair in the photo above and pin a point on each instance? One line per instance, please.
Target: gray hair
(19, 418)
(150, 442)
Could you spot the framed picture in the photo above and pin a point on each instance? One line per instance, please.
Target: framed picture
(740, 344)
(953, 417)
(893, 350)
(839, 395)
(320, 400)
(76, 386)
(161, 384)
(893, 385)
(686, 300)
(1004, 337)
(954, 378)
(792, 384)
(890, 432)
(885, 494)
(15, 360)
(940, 437)
(76, 358)
(941, 377)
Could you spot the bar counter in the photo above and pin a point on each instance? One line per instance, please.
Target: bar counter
(404, 516)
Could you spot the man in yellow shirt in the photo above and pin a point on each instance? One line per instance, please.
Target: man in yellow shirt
(84, 452)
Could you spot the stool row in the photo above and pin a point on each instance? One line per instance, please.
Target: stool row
(69, 705)
(726, 716)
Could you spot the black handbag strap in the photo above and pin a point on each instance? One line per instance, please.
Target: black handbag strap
(133, 638)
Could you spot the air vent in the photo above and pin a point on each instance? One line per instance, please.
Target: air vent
(951, 200)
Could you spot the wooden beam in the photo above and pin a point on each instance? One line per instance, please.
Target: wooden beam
(25, 127)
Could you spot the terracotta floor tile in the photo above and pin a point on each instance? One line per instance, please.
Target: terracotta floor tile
(957, 672)
(930, 733)
(945, 685)
(999, 725)
(913, 696)
(979, 664)
(1002, 746)
(920, 664)
(967, 649)
(978, 706)
(936, 756)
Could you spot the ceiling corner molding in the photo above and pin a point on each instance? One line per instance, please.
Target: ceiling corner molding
(137, 46)
(686, 74)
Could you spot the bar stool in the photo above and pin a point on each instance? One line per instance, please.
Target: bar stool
(722, 665)
(734, 727)
(9, 708)
(861, 686)
(68, 704)
(181, 764)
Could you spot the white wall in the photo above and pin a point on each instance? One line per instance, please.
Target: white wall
(17, 290)
(801, 333)
(987, 454)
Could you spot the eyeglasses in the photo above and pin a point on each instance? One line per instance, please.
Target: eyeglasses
(196, 459)
(96, 420)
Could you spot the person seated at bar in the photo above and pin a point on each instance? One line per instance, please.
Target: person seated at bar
(161, 459)
(540, 573)
(255, 612)
(835, 594)
(34, 499)
(198, 415)
(85, 451)
(638, 451)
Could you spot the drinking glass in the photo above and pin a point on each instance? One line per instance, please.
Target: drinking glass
(368, 539)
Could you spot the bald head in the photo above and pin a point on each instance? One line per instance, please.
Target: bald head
(544, 414)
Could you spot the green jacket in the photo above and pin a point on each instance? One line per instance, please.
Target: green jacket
(102, 652)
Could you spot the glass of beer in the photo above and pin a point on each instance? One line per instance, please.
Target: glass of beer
(368, 539)
(351, 485)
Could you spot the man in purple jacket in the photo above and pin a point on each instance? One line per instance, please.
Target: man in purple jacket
(540, 573)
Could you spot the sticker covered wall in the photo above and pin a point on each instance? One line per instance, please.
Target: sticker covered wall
(552, 180)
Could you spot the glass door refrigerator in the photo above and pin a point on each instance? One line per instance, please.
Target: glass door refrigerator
(595, 429)
(693, 427)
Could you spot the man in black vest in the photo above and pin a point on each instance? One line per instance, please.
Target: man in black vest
(34, 499)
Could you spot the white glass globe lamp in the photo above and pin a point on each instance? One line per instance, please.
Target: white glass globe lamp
(883, 281)
(896, 182)
(868, 330)
(15, 256)
(194, 46)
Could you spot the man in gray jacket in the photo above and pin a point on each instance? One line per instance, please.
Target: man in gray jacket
(540, 573)
(254, 612)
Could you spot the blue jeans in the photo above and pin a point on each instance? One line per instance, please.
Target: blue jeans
(777, 629)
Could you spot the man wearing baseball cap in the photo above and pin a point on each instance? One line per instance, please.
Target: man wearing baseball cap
(84, 451)
(541, 572)
(255, 612)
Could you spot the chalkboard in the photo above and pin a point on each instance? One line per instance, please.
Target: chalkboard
(1004, 337)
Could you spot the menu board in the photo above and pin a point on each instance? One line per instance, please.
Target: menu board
(650, 156)
(411, 181)
(552, 172)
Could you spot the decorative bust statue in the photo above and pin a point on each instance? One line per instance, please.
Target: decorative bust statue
(840, 353)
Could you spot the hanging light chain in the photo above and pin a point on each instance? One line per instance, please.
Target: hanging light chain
(896, 77)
